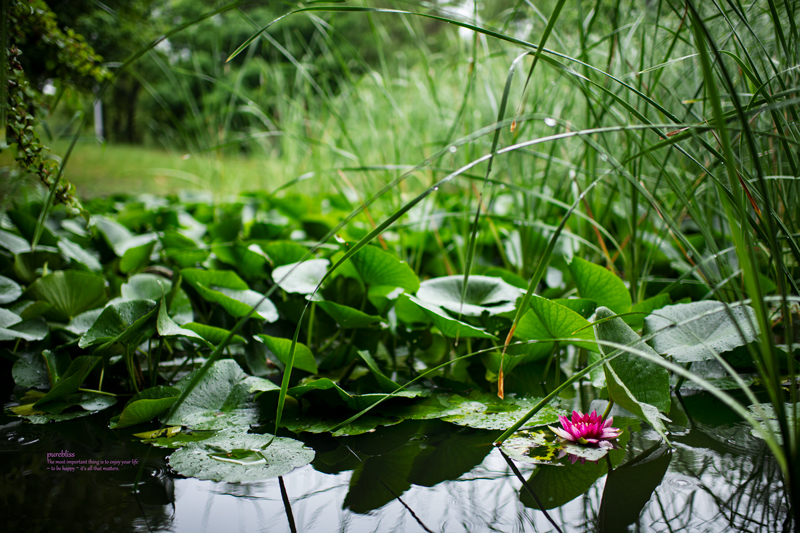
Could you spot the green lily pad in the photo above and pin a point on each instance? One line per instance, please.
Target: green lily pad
(10, 290)
(145, 406)
(71, 380)
(250, 261)
(635, 383)
(81, 323)
(70, 292)
(30, 371)
(485, 411)
(145, 287)
(303, 358)
(301, 278)
(182, 250)
(714, 331)
(89, 403)
(13, 243)
(212, 334)
(644, 308)
(376, 267)
(485, 294)
(283, 252)
(8, 318)
(222, 399)
(211, 458)
(229, 291)
(543, 447)
(411, 310)
(348, 317)
(174, 437)
(550, 320)
(137, 257)
(598, 284)
(35, 329)
(167, 327)
(77, 254)
(120, 323)
(120, 238)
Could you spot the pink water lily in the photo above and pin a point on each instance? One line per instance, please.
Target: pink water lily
(587, 429)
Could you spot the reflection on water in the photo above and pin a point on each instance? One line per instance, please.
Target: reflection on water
(418, 476)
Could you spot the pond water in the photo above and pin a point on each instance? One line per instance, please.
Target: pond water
(415, 476)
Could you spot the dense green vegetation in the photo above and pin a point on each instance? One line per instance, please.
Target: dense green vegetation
(469, 211)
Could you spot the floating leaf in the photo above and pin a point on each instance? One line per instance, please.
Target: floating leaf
(544, 448)
(8, 318)
(175, 437)
(167, 327)
(212, 334)
(711, 329)
(644, 308)
(249, 262)
(647, 381)
(183, 250)
(598, 284)
(70, 292)
(35, 329)
(145, 287)
(550, 320)
(231, 292)
(202, 460)
(118, 237)
(348, 317)
(136, 257)
(386, 384)
(410, 309)
(71, 380)
(303, 358)
(120, 323)
(222, 398)
(30, 371)
(13, 243)
(484, 295)
(484, 411)
(81, 323)
(74, 252)
(376, 267)
(145, 406)
(302, 278)
(10, 290)
(89, 402)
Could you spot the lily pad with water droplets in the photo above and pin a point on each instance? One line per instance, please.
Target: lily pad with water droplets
(542, 447)
(710, 329)
(483, 411)
(237, 457)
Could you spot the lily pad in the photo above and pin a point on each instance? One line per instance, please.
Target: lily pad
(376, 267)
(542, 447)
(79, 255)
(411, 310)
(10, 290)
(210, 459)
(222, 399)
(70, 292)
(120, 323)
(212, 334)
(715, 330)
(301, 278)
(231, 292)
(635, 383)
(35, 329)
(484, 411)
(348, 317)
(547, 319)
(598, 284)
(71, 380)
(174, 437)
(145, 406)
(303, 358)
(485, 294)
